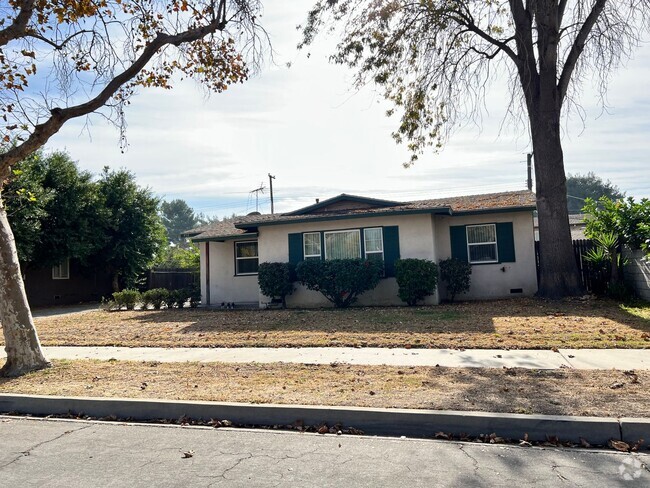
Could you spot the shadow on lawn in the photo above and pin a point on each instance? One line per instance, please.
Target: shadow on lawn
(466, 317)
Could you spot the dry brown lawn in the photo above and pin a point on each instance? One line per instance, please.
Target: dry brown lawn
(560, 392)
(514, 324)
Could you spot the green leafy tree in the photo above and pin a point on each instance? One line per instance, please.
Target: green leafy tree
(434, 60)
(177, 217)
(179, 257)
(92, 57)
(57, 217)
(627, 220)
(580, 187)
(131, 226)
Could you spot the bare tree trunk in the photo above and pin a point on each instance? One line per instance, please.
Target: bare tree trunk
(116, 282)
(559, 275)
(23, 348)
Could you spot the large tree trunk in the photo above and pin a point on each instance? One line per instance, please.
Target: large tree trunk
(23, 348)
(559, 275)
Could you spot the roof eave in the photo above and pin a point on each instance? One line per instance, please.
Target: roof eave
(232, 237)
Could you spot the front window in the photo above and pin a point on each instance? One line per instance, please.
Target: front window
(61, 271)
(246, 258)
(374, 243)
(482, 243)
(311, 245)
(344, 244)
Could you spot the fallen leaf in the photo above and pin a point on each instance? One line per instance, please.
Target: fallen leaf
(188, 454)
(616, 385)
(584, 443)
(619, 445)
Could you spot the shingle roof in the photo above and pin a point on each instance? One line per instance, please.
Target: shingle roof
(451, 205)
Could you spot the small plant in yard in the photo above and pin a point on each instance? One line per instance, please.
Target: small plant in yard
(178, 298)
(417, 279)
(156, 297)
(457, 276)
(275, 280)
(126, 298)
(341, 281)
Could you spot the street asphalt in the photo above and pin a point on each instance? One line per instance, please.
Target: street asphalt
(467, 358)
(58, 453)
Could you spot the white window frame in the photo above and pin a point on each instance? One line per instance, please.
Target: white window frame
(358, 231)
(496, 246)
(304, 248)
(61, 271)
(381, 237)
(237, 258)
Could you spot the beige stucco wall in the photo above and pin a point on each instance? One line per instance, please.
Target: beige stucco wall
(420, 236)
(224, 285)
(415, 241)
(489, 280)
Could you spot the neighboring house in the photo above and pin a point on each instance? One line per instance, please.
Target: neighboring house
(576, 224)
(494, 232)
(65, 284)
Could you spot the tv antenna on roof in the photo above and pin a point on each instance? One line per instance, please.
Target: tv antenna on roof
(257, 192)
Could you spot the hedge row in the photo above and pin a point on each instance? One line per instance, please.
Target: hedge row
(341, 281)
(156, 298)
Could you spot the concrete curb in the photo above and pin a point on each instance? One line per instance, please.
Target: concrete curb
(373, 421)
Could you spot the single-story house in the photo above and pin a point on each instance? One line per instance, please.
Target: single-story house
(493, 232)
(577, 225)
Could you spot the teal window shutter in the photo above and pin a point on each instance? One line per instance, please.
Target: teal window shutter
(391, 248)
(295, 248)
(458, 237)
(506, 242)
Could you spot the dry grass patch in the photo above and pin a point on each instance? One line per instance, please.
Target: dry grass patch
(513, 324)
(562, 392)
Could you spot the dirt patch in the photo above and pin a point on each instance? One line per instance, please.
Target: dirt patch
(558, 392)
(500, 324)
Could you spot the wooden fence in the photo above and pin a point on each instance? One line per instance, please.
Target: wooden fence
(580, 247)
(172, 278)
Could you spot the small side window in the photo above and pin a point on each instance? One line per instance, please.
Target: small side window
(482, 243)
(374, 243)
(61, 271)
(246, 258)
(311, 245)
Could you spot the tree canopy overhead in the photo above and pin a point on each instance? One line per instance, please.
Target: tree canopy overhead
(61, 60)
(435, 60)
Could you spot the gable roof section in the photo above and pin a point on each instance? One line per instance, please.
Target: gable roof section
(357, 201)
(247, 226)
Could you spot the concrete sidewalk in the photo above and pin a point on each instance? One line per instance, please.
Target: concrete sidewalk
(623, 359)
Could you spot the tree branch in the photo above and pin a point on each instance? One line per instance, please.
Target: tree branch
(578, 46)
(42, 132)
(19, 26)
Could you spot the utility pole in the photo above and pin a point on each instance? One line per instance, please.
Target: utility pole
(529, 164)
(271, 178)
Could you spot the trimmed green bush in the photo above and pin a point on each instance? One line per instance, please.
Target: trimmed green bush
(156, 297)
(456, 275)
(417, 279)
(178, 298)
(126, 298)
(275, 280)
(341, 281)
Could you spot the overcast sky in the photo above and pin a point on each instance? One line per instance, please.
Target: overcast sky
(305, 125)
